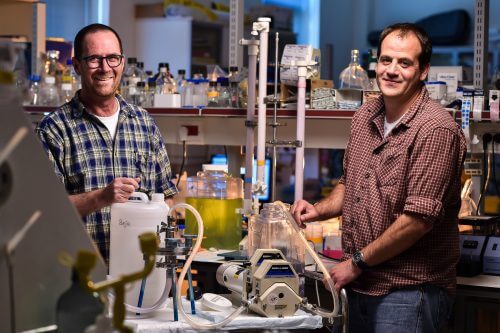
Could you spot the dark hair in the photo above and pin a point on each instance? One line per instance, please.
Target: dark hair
(404, 29)
(94, 27)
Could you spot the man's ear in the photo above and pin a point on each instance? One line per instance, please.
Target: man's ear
(76, 65)
(424, 73)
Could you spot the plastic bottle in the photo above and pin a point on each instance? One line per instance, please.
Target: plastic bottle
(128, 221)
(187, 94)
(34, 91)
(213, 94)
(234, 90)
(354, 76)
(77, 308)
(50, 94)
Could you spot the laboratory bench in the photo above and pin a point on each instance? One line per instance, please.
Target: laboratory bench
(477, 305)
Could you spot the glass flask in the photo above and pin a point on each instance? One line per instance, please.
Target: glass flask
(354, 76)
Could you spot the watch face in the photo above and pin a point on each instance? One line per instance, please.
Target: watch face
(356, 257)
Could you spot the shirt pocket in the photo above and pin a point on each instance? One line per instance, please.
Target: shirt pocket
(390, 168)
(145, 167)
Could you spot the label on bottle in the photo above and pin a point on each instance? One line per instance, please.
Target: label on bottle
(66, 86)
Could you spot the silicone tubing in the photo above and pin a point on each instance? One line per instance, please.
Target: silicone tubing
(195, 324)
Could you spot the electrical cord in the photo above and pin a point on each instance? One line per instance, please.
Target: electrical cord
(487, 138)
(184, 158)
(496, 139)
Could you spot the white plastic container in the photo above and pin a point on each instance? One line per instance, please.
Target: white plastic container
(128, 221)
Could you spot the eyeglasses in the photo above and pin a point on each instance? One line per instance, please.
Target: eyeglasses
(94, 61)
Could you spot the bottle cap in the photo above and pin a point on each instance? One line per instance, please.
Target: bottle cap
(158, 197)
(233, 68)
(181, 71)
(141, 84)
(131, 60)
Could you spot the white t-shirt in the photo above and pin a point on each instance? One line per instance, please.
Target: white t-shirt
(388, 127)
(111, 122)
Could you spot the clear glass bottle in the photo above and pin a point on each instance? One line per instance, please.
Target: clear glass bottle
(213, 94)
(34, 91)
(234, 74)
(150, 94)
(164, 82)
(77, 308)
(372, 74)
(235, 94)
(354, 76)
(224, 100)
(216, 196)
(52, 63)
(141, 96)
(50, 93)
(132, 74)
(181, 83)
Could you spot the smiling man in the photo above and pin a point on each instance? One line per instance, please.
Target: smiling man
(103, 148)
(399, 197)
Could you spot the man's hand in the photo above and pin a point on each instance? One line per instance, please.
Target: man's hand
(342, 274)
(303, 211)
(119, 190)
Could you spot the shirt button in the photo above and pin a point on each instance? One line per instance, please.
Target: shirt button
(358, 199)
(367, 175)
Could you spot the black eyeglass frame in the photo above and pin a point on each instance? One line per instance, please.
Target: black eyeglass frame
(100, 59)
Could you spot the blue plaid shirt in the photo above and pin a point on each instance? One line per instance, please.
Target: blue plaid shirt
(86, 158)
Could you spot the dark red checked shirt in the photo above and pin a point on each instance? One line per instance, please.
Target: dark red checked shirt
(414, 170)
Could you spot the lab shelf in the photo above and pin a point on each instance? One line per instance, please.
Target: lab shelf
(239, 112)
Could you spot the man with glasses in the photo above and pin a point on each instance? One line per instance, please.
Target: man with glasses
(103, 148)
(399, 197)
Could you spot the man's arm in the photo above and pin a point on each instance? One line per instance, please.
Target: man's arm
(327, 208)
(119, 190)
(400, 236)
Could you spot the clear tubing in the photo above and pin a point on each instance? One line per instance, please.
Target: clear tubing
(299, 151)
(252, 65)
(261, 119)
(313, 254)
(186, 266)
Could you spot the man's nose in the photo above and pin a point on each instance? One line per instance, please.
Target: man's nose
(104, 65)
(393, 67)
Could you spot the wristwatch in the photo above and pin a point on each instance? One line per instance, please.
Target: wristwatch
(359, 261)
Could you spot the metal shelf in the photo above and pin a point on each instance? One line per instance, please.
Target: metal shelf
(239, 113)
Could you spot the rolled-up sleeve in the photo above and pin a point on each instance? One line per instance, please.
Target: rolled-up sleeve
(434, 165)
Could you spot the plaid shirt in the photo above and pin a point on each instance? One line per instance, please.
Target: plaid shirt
(86, 158)
(414, 170)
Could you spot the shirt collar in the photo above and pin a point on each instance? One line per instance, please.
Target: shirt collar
(378, 110)
(78, 109)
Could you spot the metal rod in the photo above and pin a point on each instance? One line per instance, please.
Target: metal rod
(275, 121)
(191, 292)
